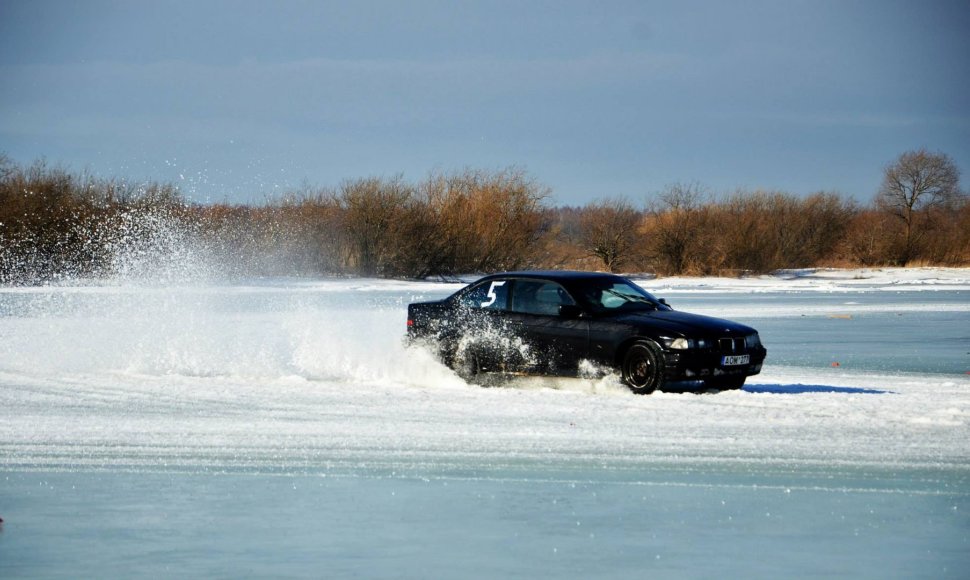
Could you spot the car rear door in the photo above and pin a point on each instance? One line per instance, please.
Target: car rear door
(484, 306)
(484, 323)
(558, 342)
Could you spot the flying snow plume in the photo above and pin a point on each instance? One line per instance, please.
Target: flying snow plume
(150, 245)
(257, 333)
(145, 293)
(154, 246)
(363, 347)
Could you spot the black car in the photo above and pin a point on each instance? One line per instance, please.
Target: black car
(567, 323)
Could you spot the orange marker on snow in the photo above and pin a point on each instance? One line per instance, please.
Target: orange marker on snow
(835, 364)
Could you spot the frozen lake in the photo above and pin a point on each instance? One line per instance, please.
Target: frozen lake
(280, 428)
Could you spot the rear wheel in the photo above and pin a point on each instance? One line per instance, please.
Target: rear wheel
(732, 383)
(477, 366)
(468, 365)
(643, 368)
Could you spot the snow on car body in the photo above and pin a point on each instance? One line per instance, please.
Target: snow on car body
(551, 322)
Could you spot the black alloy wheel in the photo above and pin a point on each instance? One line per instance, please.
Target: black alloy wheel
(643, 368)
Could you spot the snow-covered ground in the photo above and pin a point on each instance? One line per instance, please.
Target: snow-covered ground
(829, 280)
(147, 395)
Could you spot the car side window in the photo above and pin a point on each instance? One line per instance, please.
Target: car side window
(539, 297)
(611, 297)
(491, 295)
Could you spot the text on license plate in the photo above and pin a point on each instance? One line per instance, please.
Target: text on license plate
(740, 359)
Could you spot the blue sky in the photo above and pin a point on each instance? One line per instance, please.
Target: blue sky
(242, 100)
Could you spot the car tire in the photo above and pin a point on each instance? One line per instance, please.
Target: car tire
(643, 368)
(467, 365)
(475, 366)
(725, 383)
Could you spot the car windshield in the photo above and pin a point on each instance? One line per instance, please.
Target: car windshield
(610, 295)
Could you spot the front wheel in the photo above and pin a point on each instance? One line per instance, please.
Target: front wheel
(643, 368)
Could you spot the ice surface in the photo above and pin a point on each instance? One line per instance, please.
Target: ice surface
(282, 427)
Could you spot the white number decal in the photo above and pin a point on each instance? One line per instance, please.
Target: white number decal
(491, 294)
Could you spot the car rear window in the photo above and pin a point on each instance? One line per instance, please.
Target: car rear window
(492, 295)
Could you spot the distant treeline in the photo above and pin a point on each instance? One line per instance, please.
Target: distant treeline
(55, 224)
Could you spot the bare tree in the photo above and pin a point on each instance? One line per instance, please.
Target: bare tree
(677, 225)
(608, 231)
(912, 187)
(823, 220)
(372, 210)
(477, 221)
(7, 166)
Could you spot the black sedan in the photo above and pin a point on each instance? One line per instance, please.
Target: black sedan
(573, 323)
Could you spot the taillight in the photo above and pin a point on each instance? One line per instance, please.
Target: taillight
(410, 322)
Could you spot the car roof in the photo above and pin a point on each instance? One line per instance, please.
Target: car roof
(553, 274)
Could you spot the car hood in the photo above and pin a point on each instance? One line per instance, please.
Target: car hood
(685, 323)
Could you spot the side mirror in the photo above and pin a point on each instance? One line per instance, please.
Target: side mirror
(570, 311)
(663, 301)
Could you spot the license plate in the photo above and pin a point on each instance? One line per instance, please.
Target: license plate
(741, 359)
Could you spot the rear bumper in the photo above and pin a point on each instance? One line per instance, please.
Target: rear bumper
(702, 364)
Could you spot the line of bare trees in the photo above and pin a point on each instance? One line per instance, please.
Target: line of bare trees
(56, 224)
